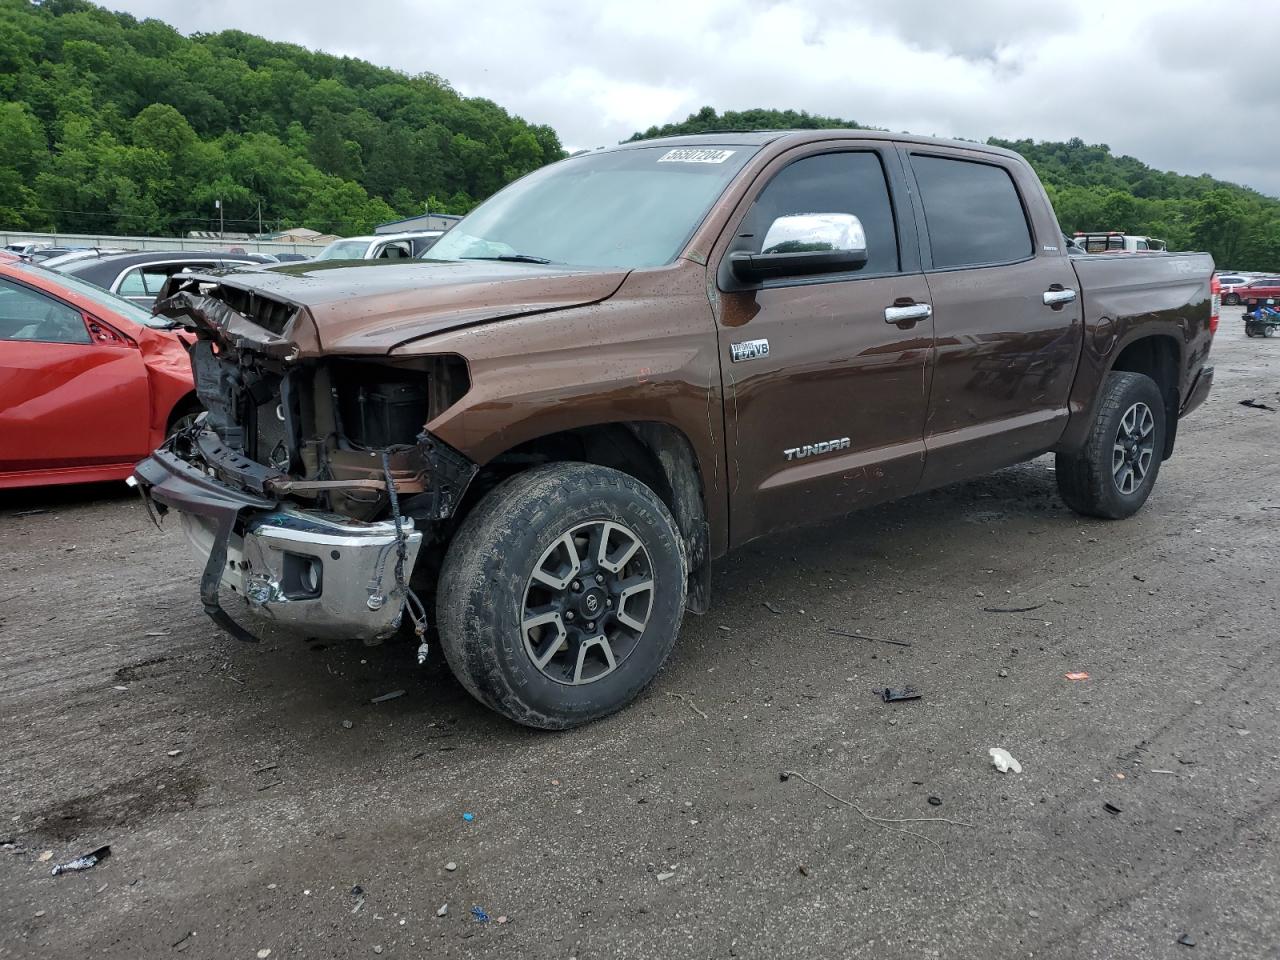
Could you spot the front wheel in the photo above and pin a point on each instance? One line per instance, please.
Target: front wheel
(1231, 299)
(561, 594)
(1269, 330)
(1114, 474)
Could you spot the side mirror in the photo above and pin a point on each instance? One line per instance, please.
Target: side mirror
(805, 244)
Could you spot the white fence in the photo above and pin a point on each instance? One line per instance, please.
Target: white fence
(157, 243)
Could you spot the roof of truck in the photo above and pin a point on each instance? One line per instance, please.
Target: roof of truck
(757, 138)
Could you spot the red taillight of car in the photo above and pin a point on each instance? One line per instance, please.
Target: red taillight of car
(1215, 296)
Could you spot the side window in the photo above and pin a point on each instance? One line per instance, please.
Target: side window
(833, 183)
(132, 285)
(972, 211)
(27, 315)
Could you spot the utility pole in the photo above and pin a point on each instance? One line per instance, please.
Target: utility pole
(221, 222)
(259, 219)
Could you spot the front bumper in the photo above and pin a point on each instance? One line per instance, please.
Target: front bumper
(323, 573)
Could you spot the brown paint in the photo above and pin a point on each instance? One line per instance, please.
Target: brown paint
(994, 377)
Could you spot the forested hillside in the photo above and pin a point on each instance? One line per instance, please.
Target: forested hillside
(1092, 189)
(111, 125)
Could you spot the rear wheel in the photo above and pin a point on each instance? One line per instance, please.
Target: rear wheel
(1269, 330)
(1114, 474)
(1231, 299)
(561, 594)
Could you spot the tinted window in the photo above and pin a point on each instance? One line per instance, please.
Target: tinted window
(27, 315)
(972, 211)
(833, 183)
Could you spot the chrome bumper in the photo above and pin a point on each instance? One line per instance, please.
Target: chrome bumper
(321, 573)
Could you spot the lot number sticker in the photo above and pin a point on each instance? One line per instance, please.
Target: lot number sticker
(691, 155)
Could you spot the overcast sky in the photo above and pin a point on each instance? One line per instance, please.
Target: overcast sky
(1148, 78)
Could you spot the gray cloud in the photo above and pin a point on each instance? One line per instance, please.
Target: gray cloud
(1145, 78)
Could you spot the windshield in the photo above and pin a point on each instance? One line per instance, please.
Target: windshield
(621, 208)
(344, 250)
(104, 298)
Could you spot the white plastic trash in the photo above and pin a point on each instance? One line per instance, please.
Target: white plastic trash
(1003, 760)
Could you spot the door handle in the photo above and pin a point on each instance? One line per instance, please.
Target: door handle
(1056, 296)
(909, 313)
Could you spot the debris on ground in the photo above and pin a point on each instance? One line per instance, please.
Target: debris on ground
(175, 753)
(451, 866)
(1111, 808)
(862, 636)
(480, 915)
(388, 696)
(1002, 672)
(468, 817)
(1187, 940)
(802, 870)
(1012, 609)
(771, 608)
(885, 822)
(1077, 675)
(501, 919)
(1256, 405)
(347, 724)
(666, 876)
(685, 698)
(891, 695)
(45, 857)
(443, 911)
(87, 862)
(264, 953)
(1003, 760)
(935, 801)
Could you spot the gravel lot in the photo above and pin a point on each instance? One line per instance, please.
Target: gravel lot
(247, 791)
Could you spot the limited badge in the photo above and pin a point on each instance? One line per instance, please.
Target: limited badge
(749, 350)
(695, 155)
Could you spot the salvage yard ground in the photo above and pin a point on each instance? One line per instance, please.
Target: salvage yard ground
(255, 799)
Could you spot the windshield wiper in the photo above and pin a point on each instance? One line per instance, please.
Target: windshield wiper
(513, 258)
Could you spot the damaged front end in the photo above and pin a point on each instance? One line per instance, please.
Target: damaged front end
(310, 484)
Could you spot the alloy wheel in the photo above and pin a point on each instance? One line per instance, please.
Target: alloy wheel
(587, 602)
(1134, 448)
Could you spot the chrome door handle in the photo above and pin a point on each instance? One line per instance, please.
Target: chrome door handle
(914, 311)
(1054, 298)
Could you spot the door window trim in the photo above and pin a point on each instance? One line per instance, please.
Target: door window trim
(922, 225)
(904, 222)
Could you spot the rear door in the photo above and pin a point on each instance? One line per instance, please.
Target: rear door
(73, 391)
(824, 394)
(1007, 315)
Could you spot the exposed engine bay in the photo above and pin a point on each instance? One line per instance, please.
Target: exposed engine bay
(311, 484)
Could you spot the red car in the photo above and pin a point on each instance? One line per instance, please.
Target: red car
(89, 382)
(1259, 291)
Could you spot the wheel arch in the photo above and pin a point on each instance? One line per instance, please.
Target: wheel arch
(185, 404)
(1158, 356)
(657, 454)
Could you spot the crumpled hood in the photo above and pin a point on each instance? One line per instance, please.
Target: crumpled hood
(374, 306)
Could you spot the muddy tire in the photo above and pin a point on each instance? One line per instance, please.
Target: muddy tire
(561, 594)
(1114, 474)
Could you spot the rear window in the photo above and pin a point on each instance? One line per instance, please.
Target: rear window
(972, 211)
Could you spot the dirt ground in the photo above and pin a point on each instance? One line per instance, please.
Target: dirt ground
(255, 799)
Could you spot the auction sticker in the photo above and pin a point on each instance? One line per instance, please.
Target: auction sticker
(692, 155)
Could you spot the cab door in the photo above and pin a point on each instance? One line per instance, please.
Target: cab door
(824, 376)
(1007, 314)
(73, 391)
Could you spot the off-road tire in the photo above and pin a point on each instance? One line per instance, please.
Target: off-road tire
(1086, 479)
(486, 573)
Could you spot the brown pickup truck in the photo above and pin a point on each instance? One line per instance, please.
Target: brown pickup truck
(632, 361)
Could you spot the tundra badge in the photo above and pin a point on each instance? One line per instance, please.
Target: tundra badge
(749, 350)
(810, 449)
